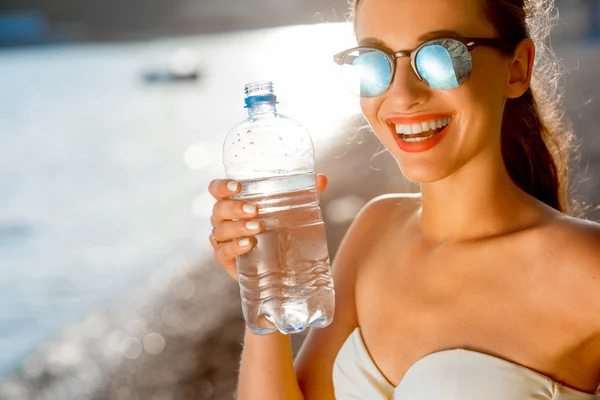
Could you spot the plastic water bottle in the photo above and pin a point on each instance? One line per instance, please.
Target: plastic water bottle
(285, 281)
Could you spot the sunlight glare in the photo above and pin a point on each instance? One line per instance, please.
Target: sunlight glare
(299, 60)
(197, 156)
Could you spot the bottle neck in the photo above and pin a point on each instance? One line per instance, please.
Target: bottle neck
(262, 109)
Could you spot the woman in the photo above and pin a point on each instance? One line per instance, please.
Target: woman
(480, 288)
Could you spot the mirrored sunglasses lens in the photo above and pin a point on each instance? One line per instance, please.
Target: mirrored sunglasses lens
(367, 73)
(444, 64)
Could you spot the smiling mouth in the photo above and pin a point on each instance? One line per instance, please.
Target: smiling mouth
(422, 131)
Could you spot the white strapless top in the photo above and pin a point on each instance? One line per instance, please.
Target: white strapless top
(455, 374)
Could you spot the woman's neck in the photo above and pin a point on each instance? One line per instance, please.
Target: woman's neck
(480, 200)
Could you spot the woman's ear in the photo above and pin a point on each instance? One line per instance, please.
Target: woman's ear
(520, 68)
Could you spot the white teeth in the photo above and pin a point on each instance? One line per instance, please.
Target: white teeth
(417, 139)
(425, 126)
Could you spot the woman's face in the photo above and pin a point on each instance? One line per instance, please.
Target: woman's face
(475, 107)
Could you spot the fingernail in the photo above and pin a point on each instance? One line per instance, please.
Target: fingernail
(252, 225)
(232, 186)
(244, 242)
(249, 208)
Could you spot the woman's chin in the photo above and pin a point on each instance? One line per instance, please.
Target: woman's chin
(422, 174)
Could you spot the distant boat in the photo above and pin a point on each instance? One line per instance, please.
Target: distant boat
(182, 65)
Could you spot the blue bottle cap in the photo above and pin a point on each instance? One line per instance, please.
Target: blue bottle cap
(252, 100)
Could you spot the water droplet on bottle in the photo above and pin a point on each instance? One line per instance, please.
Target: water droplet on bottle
(244, 148)
(251, 143)
(239, 140)
(280, 138)
(232, 142)
(248, 132)
(235, 155)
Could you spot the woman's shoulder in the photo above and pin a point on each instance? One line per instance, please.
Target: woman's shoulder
(577, 238)
(373, 220)
(574, 247)
(388, 205)
(386, 211)
(572, 244)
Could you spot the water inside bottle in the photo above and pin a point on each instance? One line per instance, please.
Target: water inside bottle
(285, 281)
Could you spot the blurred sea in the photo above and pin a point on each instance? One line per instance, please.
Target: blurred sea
(103, 177)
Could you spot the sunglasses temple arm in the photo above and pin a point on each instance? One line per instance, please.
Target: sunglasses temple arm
(500, 44)
(348, 59)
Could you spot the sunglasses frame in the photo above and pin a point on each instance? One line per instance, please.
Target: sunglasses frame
(469, 42)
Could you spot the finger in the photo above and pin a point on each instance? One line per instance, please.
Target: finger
(227, 252)
(213, 241)
(221, 188)
(230, 266)
(322, 182)
(231, 270)
(229, 230)
(229, 209)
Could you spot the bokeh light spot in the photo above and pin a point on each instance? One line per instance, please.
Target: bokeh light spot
(344, 209)
(131, 348)
(197, 156)
(184, 289)
(33, 367)
(154, 343)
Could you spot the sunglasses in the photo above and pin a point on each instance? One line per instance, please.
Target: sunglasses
(442, 64)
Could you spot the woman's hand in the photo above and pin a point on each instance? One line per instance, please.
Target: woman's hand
(233, 238)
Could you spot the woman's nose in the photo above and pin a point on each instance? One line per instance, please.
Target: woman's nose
(407, 90)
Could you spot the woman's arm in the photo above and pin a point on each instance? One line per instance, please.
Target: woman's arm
(267, 368)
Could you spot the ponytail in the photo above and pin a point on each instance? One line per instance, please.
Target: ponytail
(532, 155)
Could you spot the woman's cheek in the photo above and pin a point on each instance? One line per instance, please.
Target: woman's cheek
(369, 108)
